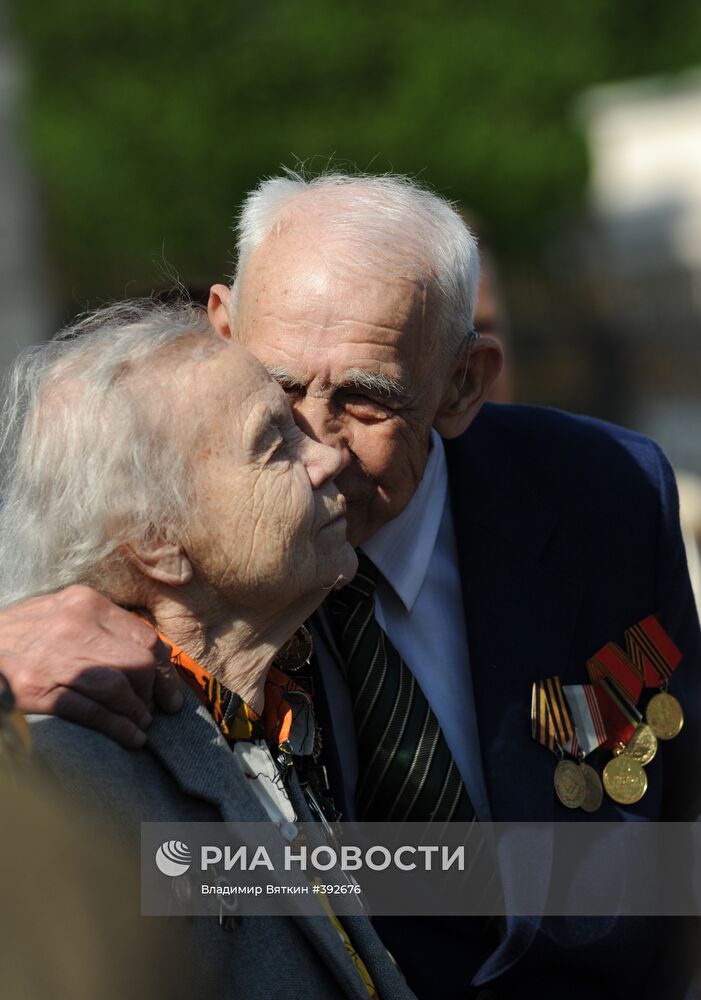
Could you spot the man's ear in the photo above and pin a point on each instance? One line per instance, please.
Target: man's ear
(160, 560)
(218, 310)
(471, 377)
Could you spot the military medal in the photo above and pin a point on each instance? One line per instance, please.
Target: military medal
(594, 792)
(551, 726)
(589, 735)
(625, 780)
(650, 659)
(660, 658)
(642, 746)
(575, 720)
(665, 716)
(570, 784)
(296, 652)
(589, 729)
(621, 716)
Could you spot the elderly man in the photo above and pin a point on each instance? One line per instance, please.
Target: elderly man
(489, 560)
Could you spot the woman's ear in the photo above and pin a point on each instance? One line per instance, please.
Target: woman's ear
(218, 310)
(470, 378)
(160, 560)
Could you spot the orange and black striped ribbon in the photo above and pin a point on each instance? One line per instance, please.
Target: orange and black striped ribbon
(551, 719)
(288, 716)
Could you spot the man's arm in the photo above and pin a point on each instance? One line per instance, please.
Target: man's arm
(76, 655)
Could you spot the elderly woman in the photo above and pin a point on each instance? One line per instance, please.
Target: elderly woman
(148, 458)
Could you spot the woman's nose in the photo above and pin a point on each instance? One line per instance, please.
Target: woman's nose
(323, 461)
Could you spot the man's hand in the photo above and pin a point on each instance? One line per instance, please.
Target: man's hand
(76, 655)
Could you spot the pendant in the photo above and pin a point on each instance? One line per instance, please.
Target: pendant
(570, 784)
(665, 716)
(625, 780)
(642, 745)
(594, 792)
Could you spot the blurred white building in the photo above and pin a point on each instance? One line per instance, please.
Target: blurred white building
(644, 254)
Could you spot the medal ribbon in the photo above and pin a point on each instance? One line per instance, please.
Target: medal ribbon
(649, 660)
(653, 651)
(551, 720)
(610, 663)
(620, 717)
(589, 729)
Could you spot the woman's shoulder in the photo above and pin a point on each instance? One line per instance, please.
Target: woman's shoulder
(130, 786)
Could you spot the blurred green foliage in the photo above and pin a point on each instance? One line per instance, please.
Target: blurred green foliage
(148, 119)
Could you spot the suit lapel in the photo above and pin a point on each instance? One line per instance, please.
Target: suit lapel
(520, 616)
(198, 757)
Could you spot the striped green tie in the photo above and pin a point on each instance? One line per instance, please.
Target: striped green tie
(406, 771)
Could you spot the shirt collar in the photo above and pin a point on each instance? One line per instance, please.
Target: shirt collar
(403, 547)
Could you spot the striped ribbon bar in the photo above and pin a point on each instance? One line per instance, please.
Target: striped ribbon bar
(649, 659)
(652, 650)
(620, 716)
(551, 720)
(589, 729)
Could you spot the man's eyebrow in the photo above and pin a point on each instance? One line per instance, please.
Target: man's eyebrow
(285, 378)
(376, 383)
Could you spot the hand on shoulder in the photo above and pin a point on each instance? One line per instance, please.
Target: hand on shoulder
(77, 655)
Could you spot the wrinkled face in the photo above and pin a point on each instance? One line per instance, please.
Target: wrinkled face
(270, 525)
(356, 354)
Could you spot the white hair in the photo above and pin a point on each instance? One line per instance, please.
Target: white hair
(92, 454)
(384, 221)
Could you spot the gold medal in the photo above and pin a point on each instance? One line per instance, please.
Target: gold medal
(570, 784)
(625, 780)
(594, 792)
(665, 716)
(642, 745)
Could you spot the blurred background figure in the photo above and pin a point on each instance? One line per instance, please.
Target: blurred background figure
(26, 301)
(68, 924)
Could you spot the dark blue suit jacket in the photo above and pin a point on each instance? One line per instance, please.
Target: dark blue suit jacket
(568, 534)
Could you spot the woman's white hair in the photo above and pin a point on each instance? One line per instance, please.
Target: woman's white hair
(385, 221)
(92, 454)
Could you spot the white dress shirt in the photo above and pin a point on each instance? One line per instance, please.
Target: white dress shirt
(419, 605)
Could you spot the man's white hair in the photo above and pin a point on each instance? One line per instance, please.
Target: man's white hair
(387, 222)
(93, 455)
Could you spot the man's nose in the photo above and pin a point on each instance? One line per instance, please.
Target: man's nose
(323, 462)
(313, 415)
